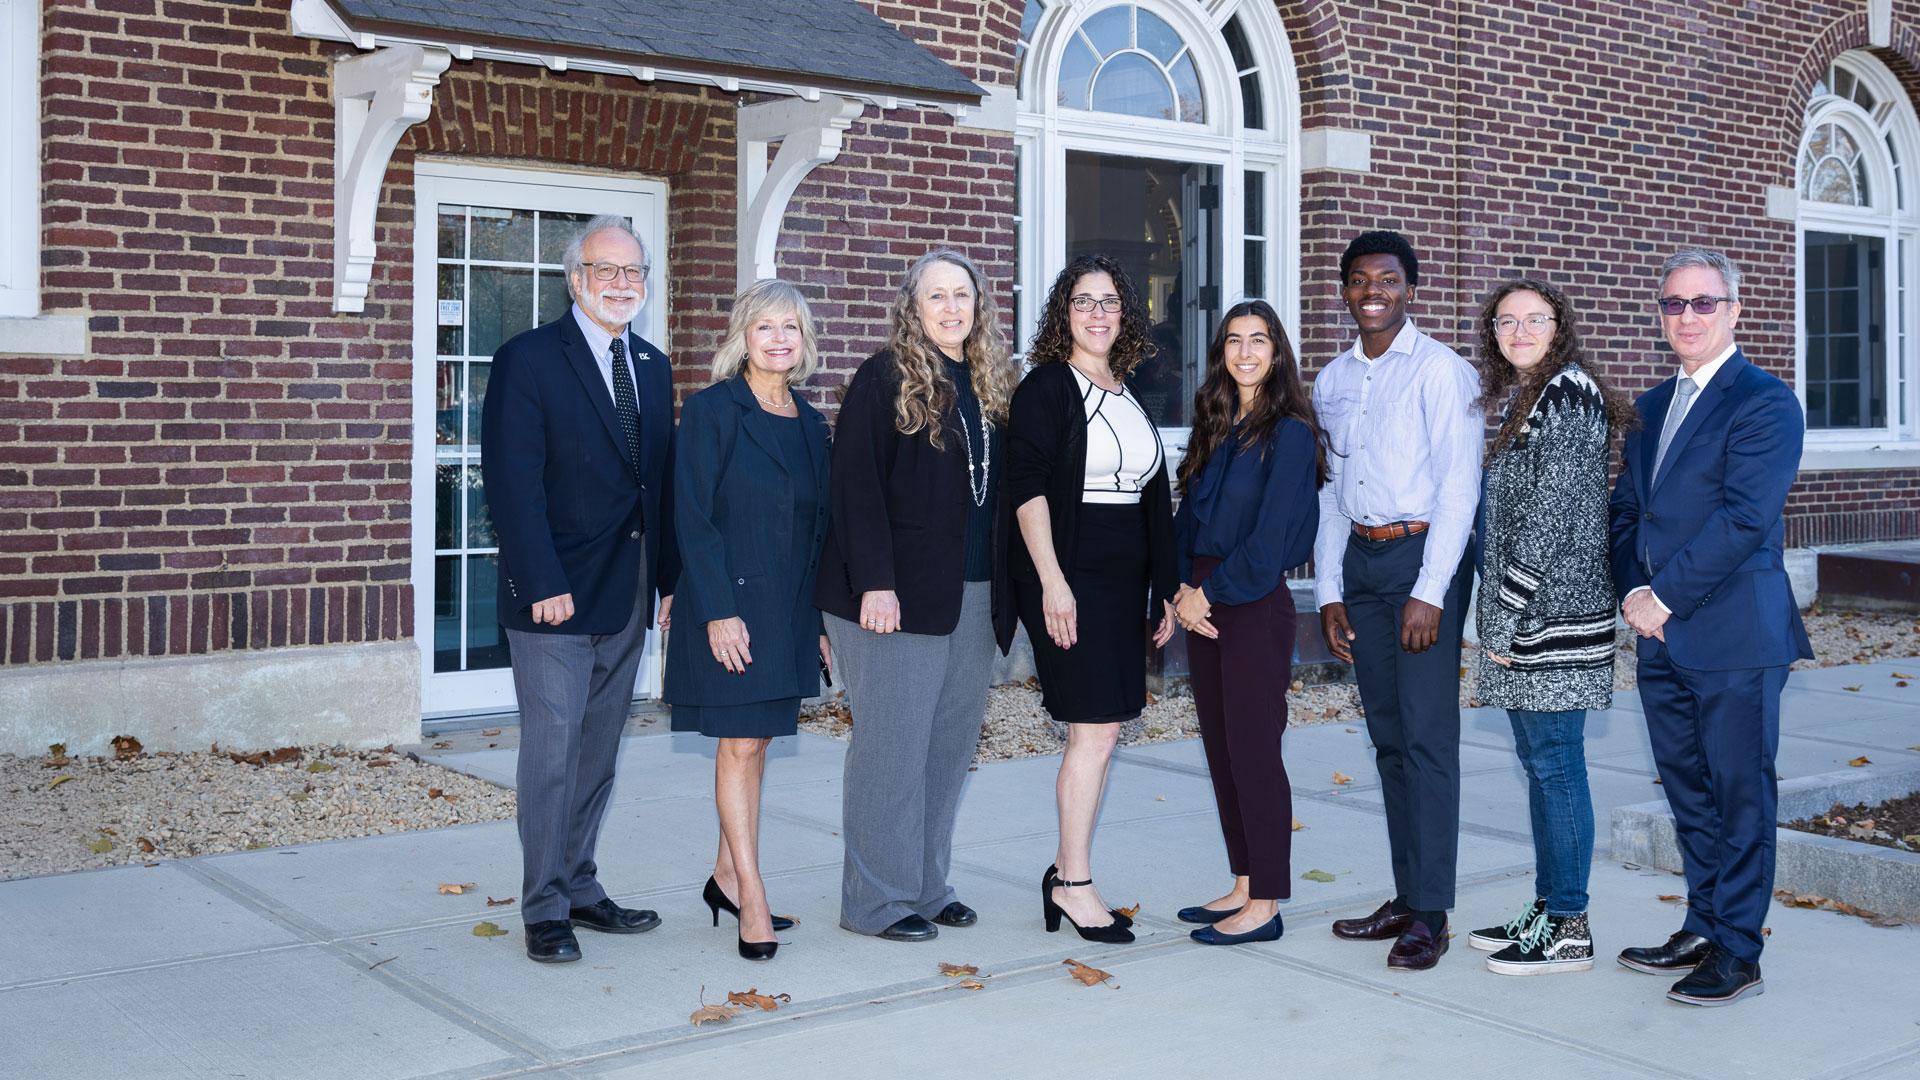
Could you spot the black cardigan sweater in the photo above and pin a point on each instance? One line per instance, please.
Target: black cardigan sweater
(1047, 456)
(900, 509)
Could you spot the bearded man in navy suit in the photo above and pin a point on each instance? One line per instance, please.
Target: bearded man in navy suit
(577, 452)
(1697, 534)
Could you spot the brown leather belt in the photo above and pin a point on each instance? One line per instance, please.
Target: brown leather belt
(1393, 530)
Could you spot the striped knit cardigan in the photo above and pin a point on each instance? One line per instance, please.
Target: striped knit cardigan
(1546, 589)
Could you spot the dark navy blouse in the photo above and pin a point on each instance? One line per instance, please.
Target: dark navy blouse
(1256, 514)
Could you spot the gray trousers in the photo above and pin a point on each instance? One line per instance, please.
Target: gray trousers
(917, 701)
(575, 693)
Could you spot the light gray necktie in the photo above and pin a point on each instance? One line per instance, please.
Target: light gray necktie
(1676, 413)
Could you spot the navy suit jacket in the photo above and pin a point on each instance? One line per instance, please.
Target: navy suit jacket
(1707, 532)
(566, 504)
(733, 506)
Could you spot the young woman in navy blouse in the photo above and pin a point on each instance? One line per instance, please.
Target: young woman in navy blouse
(1247, 515)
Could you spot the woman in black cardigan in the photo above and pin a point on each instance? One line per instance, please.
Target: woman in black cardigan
(913, 583)
(1088, 482)
(750, 509)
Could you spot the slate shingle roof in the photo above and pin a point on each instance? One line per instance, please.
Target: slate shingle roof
(817, 41)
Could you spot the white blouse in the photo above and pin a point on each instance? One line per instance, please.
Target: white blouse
(1123, 446)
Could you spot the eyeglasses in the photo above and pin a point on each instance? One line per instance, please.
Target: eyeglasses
(1509, 326)
(1110, 305)
(1701, 305)
(606, 271)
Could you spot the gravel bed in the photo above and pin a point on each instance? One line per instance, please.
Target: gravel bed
(147, 807)
(84, 813)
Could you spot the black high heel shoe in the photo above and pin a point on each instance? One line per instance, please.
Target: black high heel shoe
(1052, 878)
(1111, 934)
(717, 902)
(758, 950)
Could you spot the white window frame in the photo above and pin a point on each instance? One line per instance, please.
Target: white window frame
(1045, 131)
(440, 182)
(23, 330)
(1883, 217)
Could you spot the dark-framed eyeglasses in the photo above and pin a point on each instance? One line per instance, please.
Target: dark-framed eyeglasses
(1110, 304)
(1535, 324)
(606, 271)
(1701, 305)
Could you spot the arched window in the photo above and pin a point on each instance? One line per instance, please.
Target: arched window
(1857, 256)
(1161, 133)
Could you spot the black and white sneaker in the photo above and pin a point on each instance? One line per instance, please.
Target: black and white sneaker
(1495, 938)
(1554, 943)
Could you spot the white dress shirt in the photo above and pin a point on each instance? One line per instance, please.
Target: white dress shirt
(1406, 433)
(600, 343)
(1700, 380)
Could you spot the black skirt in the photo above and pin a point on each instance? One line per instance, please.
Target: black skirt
(1102, 679)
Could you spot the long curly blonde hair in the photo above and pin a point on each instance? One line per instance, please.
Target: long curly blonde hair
(925, 391)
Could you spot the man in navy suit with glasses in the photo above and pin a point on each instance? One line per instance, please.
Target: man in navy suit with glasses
(1697, 534)
(577, 452)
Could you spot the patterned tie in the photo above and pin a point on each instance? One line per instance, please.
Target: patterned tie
(626, 407)
(1676, 413)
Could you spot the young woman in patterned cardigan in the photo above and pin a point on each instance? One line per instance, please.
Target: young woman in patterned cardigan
(1546, 599)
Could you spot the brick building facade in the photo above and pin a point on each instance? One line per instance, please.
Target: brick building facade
(233, 508)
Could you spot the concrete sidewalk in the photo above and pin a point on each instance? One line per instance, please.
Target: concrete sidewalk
(341, 960)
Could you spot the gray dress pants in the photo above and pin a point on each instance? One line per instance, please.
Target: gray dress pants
(575, 693)
(917, 701)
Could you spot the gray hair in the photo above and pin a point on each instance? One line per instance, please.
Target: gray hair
(754, 301)
(1704, 258)
(574, 263)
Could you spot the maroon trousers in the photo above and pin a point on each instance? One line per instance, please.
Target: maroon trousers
(1240, 682)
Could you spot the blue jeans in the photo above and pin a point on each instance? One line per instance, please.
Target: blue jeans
(1552, 748)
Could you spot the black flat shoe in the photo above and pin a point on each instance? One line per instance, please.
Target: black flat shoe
(758, 950)
(1720, 978)
(1682, 952)
(610, 918)
(552, 942)
(1111, 934)
(957, 914)
(1267, 931)
(717, 902)
(1052, 877)
(911, 928)
(1205, 914)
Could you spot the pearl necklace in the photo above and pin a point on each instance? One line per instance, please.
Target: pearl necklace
(979, 489)
(771, 404)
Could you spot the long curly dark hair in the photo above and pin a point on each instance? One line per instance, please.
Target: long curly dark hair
(1281, 396)
(1497, 376)
(1053, 342)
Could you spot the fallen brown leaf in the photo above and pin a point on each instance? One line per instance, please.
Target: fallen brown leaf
(491, 902)
(125, 746)
(454, 890)
(1129, 912)
(378, 764)
(443, 744)
(1861, 760)
(954, 971)
(56, 755)
(715, 1014)
(58, 780)
(1151, 699)
(488, 929)
(146, 845)
(755, 999)
(1671, 898)
(1296, 823)
(1885, 921)
(1341, 778)
(1353, 731)
(1087, 975)
(972, 984)
(492, 731)
(1854, 688)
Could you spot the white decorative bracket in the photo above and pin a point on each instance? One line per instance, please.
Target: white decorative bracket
(1336, 148)
(1880, 23)
(376, 97)
(809, 134)
(1783, 203)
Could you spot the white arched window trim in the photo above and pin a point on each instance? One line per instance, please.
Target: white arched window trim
(1045, 132)
(1884, 216)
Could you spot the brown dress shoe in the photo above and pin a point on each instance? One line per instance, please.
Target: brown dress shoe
(1379, 926)
(1418, 949)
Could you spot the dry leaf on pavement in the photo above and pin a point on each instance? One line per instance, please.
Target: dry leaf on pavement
(125, 746)
(954, 971)
(1087, 975)
(488, 929)
(57, 781)
(491, 902)
(972, 984)
(1859, 761)
(753, 998)
(1129, 912)
(454, 890)
(1296, 823)
(100, 846)
(494, 731)
(321, 766)
(1671, 898)
(1341, 778)
(718, 1014)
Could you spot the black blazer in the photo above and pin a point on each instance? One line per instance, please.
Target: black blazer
(733, 510)
(1047, 456)
(900, 514)
(565, 504)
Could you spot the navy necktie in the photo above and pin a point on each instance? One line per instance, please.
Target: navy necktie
(624, 404)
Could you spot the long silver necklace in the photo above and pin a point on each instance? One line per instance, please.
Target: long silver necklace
(979, 489)
(771, 404)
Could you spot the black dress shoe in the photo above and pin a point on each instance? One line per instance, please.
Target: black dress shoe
(1681, 952)
(610, 918)
(911, 928)
(1204, 914)
(1719, 979)
(551, 942)
(1419, 948)
(1379, 926)
(957, 914)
